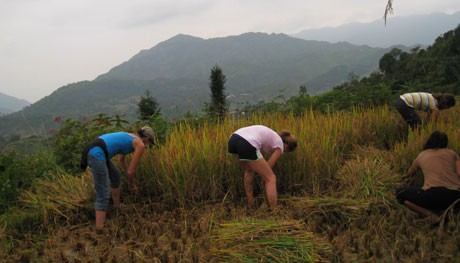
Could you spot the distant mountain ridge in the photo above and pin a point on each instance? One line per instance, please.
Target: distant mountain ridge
(399, 30)
(9, 104)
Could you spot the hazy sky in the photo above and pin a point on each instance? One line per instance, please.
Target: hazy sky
(46, 44)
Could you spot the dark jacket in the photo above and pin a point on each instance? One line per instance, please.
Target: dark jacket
(84, 156)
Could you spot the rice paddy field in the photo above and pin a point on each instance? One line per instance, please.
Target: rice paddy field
(336, 200)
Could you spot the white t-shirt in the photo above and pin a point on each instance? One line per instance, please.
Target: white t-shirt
(262, 138)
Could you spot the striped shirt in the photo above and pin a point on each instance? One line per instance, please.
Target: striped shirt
(420, 101)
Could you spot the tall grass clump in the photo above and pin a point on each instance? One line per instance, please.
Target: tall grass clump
(367, 174)
(194, 166)
(51, 202)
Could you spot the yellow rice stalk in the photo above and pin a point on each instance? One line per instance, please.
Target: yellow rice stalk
(368, 175)
(62, 196)
(268, 241)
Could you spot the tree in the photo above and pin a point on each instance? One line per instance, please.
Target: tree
(391, 62)
(148, 107)
(303, 91)
(219, 105)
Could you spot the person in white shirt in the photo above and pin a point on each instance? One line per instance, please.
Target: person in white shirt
(251, 144)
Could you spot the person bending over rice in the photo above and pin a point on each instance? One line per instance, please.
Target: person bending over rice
(441, 171)
(250, 144)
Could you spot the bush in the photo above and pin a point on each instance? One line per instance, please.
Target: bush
(20, 171)
(72, 137)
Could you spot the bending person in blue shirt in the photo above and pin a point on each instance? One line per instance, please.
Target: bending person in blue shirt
(98, 154)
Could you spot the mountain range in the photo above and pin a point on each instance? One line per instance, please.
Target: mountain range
(399, 30)
(176, 72)
(9, 104)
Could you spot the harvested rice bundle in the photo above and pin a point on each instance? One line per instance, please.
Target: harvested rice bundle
(268, 241)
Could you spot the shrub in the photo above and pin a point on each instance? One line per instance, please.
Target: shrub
(72, 137)
(20, 171)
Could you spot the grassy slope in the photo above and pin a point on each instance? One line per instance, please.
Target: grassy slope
(336, 201)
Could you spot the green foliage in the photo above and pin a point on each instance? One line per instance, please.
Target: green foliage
(148, 107)
(20, 171)
(435, 69)
(28, 145)
(195, 120)
(160, 126)
(218, 107)
(73, 136)
(3, 141)
(348, 95)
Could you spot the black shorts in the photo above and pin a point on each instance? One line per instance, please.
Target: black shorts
(246, 152)
(434, 198)
(409, 114)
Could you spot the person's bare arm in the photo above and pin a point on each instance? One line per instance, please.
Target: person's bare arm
(433, 115)
(412, 170)
(139, 149)
(274, 157)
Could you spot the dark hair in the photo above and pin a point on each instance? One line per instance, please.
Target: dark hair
(437, 140)
(141, 134)
(289, 140)
(445, 101)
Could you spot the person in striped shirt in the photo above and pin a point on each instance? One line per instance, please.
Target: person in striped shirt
(408, 103)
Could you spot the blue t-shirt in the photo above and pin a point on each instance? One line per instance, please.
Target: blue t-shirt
(117, 143)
